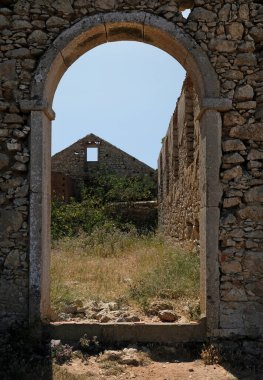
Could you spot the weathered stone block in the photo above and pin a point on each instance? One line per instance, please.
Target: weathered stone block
(4, 161)
(106, 4)
(255, 194)
(233, 75)
(223, 46)
(248, 132)
(234, 158)
(63, 6)
(254, 213)
(235, 30)
(20, 167)
(18, 53)
(253, 262)
(55, 22)
(236, 294)
(255, 287)
(231, 267)
(244, 12)
(233, 145)
(21, 25)
(38, 37)
(254, 164)
(255, 154)
(256, 33)
(22, 191)
(231, 202)
(12, 118)
(201, 14)
(8, 70)
(247, 46)
(12, 261)
(224, 12)
(247, 105)
(21, 7)
(4, 23)
(233, 118)
(232, 173)
(243, 93)
(13, 146)
(246, 59)
(11, 221)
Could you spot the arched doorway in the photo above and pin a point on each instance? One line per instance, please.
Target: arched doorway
(71, 44)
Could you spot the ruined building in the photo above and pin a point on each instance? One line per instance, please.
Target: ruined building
(92, 157)
(220, 46)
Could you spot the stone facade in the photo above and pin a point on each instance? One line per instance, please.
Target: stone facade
(74, 162)
(220, 46)
(178, 169)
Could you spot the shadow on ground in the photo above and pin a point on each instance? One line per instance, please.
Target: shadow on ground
(21, 358)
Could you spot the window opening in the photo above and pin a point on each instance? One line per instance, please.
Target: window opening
(92, 154)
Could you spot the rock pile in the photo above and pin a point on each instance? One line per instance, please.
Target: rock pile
(104, 312)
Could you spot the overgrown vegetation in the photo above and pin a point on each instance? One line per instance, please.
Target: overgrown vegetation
(113, 265)
(90, 210)
(100, 258)
(109, 187)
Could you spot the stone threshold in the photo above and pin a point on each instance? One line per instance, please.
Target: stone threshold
(137, 332)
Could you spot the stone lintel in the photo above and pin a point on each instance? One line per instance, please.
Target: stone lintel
(36, 105)
(215, 104)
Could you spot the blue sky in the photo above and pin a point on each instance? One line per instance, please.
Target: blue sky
(123, 92)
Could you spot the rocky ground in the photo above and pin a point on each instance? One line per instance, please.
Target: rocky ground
(131, 363)
(103, 312)
(195, 370)
(91, 359)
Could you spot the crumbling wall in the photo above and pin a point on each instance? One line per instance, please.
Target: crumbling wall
(179, 195)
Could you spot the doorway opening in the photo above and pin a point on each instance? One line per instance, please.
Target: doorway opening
(66, 50)
(111, 261)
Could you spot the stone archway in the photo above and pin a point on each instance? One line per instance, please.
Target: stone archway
(70, 45)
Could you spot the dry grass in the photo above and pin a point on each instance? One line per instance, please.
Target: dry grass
(117, 266)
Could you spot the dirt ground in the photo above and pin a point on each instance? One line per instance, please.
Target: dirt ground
(195, 370)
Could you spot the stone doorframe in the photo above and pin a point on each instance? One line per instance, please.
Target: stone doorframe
(70, 45)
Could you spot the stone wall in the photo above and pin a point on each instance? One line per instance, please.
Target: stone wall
(228, 33)
(178, 167)
(143, 214)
